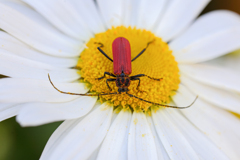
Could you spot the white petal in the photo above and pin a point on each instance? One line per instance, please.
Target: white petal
(85, 137)
(114, 116)
(8, 110)
(16, 90)
(222, 117)
(62, 131)
(58, 135)
(214, 76)
(16, 47)
(225, 136)
(8, 113)
(94, 154)
(148, 13)
(111, 11)
(200, 143)
(141, 144)
(116, 138)
(124, 150)
(212, 35)
(87, 12)
(230, 61)
(28, 26)
(7, 57)
(143, 14)
(162, 154)
(184, 96)
(62, 16)
(222, 98)
(178, 16)
(130, 12)
(33, 114)
(18, 67)
(4, 106)
(172, 139)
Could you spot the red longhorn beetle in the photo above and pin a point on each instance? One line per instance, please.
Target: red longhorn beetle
(122, 69)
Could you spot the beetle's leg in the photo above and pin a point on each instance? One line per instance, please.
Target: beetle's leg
(110, 74)
(144, 75)
(110, 80)
(134, 79)
(142, 51)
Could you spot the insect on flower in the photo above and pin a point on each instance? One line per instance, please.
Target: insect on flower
(122, 69)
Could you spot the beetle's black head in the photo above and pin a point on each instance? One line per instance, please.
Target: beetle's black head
(122, 82)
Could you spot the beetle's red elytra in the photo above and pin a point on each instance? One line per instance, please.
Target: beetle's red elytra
(122, 68)
(121, 56)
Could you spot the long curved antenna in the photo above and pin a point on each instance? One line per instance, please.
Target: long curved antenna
(163, 104)
(79, 94)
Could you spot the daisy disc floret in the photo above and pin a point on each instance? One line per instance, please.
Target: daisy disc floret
(157, 61)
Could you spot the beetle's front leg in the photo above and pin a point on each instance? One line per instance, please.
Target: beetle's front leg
(110, 80)
(138, 79)
(143, 75)
(106, 73)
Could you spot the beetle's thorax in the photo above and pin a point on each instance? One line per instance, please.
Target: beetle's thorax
(122, 82)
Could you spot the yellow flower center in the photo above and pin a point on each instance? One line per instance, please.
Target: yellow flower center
(157, 62)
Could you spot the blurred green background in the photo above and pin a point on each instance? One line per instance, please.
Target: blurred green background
(17, 143)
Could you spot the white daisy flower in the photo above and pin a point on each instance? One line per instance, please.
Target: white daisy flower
(61, 37)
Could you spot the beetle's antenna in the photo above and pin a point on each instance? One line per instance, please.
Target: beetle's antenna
(142, 51)
(163, 104)
(101, 45)
(104, 53)
(79, 94)
(99, 48)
